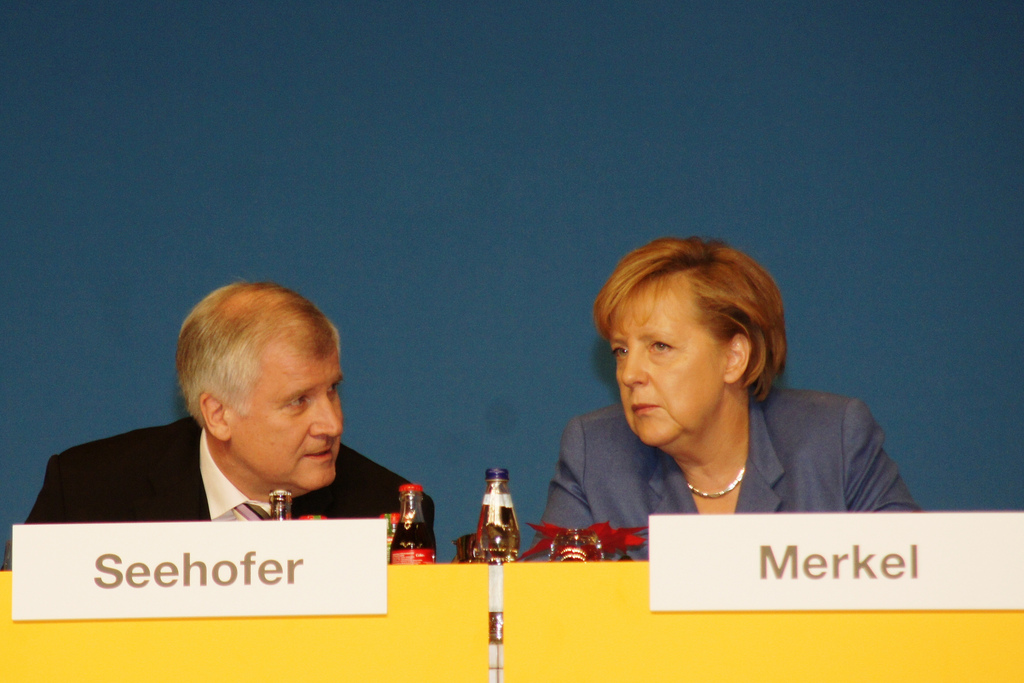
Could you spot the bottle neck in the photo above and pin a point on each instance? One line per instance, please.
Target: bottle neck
(497, 493)
(412, 510)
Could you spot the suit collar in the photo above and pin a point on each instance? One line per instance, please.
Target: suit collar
(176, 491)
(757, 494)
(668, 487)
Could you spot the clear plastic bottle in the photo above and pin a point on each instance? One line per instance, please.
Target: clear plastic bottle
(413, 542)
(497, 542)
(497, 532)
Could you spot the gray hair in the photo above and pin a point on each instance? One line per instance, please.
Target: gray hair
(222, 340)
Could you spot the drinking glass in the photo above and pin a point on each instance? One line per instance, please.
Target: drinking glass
(466, 549)
(576, 545)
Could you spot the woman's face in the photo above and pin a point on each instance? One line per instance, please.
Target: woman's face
(679, 384)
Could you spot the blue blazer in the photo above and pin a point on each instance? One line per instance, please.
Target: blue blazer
(809, 452)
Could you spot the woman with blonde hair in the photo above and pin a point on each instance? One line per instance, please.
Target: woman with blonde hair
(698, 335)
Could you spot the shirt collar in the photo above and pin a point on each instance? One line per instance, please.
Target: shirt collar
(221, 494)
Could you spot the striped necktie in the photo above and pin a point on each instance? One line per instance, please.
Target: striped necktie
(252, 512)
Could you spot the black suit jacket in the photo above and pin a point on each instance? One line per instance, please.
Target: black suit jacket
(152, 475)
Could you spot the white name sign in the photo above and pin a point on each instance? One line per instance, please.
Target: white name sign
(895, 561)
(199, 569)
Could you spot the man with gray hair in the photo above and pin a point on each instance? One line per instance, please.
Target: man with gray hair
(259, 370)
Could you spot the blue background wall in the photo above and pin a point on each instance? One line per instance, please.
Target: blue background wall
(453, 182)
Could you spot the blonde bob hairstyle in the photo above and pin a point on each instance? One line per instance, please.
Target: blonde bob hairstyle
(733, 293)
(221, 344)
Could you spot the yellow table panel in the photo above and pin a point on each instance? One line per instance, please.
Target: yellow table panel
(576, 622)
(439, 613)
(563, 622)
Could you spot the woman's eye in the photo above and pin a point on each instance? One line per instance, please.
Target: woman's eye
(619, 351)
(660, 346)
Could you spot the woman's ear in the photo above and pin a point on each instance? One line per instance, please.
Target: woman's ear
(737, 356)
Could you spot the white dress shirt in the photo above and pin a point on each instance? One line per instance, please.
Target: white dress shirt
(222, 496)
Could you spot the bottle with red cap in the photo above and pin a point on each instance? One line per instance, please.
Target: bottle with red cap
(413, 542)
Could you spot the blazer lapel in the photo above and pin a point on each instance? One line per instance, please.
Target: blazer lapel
(667, 487)
(176, 484)
(757, 493)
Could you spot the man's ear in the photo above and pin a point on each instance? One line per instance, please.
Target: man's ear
(213, 411)
(737, 356)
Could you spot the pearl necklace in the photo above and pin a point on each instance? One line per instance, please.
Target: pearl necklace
(719, 494)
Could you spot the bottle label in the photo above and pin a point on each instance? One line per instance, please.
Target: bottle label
(412, 556)
(502, 500)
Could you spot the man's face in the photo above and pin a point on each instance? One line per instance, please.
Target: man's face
(290, 433)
